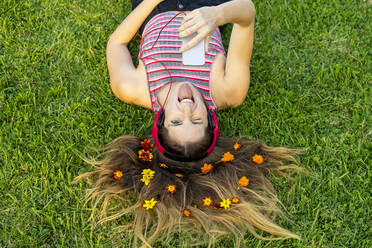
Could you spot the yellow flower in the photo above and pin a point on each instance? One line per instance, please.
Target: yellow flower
(225, 203)
(149, 204)
(148, 174)
(206, 168)
(227, 157)
(146, 181)
(243, 181)
(118, 174)
(179, 175)
(258, 159)
(207, 201)
(237, 146)
(171, 188)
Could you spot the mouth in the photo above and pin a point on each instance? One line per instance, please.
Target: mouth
(185, 94)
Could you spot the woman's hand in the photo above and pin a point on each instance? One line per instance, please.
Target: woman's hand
(156, 1)
(202, 21)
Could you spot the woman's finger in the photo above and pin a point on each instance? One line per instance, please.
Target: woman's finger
(190, 30)
(206, 43)
(186, 25)
(188, 17)
(194, 41)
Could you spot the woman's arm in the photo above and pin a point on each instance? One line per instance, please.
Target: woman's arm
(126, 82)
(230, 83)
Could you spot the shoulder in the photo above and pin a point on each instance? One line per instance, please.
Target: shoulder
(132, 87)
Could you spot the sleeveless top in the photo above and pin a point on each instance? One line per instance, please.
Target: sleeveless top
(177, 5)
(159, 52)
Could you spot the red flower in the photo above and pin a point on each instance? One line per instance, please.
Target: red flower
(146, 145)
(145, 155)
(171, 188)
(118, 174)
(186, 213)
(217, 206)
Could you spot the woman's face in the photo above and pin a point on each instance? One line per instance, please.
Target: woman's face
(185, 114)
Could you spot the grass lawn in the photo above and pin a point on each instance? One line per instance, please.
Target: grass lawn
(311, 86)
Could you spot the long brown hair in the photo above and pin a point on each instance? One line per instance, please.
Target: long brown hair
(256, 203)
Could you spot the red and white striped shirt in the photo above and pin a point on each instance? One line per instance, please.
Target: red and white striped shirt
(159, 51)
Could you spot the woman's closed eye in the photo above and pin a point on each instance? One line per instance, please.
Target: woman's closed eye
(197, 121)
(176, 122)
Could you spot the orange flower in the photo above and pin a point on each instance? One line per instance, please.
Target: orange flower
(206, 168)
(227, 157)
(258, 159)
(186, 213)
(145, 155)
(162, 165)
(243, 181)
(118, 174)
(179, 175)
(146, 145)
(235, 200)
(237, 146)
(207, 201)
(171, 188)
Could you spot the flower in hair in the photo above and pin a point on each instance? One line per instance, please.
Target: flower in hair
(145, 155)
(171, 188)
(237, 146)
(179, 175)
(207, 201)
(217, 206)
(162, 165)
(243, 181)
(235, 200)
(149, 204)
(118, 174)
(225, 203)
(147, 175)
(258, 159)
(227, 157)
(206, 168)
(146, 145)
(186, 213)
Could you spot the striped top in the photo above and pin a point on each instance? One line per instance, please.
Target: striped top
(159, 51)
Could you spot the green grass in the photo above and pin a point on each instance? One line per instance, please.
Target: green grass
(310, 87)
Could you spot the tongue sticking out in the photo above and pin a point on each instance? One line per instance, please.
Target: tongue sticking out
(185, 94)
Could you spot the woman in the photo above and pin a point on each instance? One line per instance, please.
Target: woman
(226, 79)
(186, 177)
